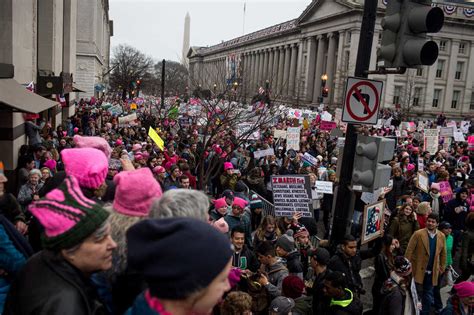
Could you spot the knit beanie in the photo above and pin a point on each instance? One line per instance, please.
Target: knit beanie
(242, 203)
(50, 164)
(410, 167)
(302, 231)
(156, 244)
(220, 203)
(68, 217)
(436, 186)
(286, 242)
(292, 287)
(423, 208)
(221, 225)
(136, 147)
(89, 166)
(135, 192)
(228, 166)
(402, 266)
(464, 289)
(255, 203)
(93, 142)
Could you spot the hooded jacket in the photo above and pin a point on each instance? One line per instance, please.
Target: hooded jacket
(395, 297)
(275, 274)
(348, 305)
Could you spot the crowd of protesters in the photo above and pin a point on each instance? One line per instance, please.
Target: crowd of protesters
(100, 220)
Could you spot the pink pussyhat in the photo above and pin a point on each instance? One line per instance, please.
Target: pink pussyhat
(93, 142)
(89, 166)
(228, 166)
(135, 192)
(220, 203)
(242, 203)
(221, 225)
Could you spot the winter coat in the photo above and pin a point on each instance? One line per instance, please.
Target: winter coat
(294, 265)
(350, 267)
(251, 262)
(348, 305)
(382, 273)
(457, 220)
(25, 196)
(453, 307)
(140, 307)
(302, 306)
(32, 132)
(402, 228)
(59, 288)
(399, 189)
(320, 301)
(10, 208)
(418, 252)
(275, 274)
(466, 262)
(394, 298)
(242, 221)
(441, 204)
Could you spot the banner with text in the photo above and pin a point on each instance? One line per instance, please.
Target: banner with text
(293, 138)
(292, 194)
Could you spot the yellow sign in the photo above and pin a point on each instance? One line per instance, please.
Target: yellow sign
(156, 138)
(133, 106)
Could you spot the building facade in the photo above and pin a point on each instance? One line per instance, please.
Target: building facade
(297, 58)
(93, 47)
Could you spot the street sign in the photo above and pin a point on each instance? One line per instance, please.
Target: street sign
(362, 101)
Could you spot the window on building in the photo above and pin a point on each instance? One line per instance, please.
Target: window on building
(462, 48)
(455, 101)
(472, 102)
(417, 96)
(440, 68)
(419, 72)
(436, 97)
(442, 45)
(396, 95)
(459, 69)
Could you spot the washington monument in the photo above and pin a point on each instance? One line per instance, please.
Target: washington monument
(184, 58)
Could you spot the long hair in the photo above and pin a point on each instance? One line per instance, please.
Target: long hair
(267, 220)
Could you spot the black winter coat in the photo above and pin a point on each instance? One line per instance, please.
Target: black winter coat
(294, 265)
(48, 284)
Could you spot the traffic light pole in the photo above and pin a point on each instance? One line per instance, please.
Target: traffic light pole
(162, 103)
(344, 195)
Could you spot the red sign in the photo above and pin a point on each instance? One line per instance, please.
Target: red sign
(327, 125)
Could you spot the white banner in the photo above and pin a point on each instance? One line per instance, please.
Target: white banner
(263, 153)
(293, 138)
(324, 187)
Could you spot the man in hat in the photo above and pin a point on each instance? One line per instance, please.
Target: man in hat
(342, 299)
(319, 261)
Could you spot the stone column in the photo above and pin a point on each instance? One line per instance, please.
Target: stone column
(310, 66)
(271, 68)
(274, 77)
(261, 68)
(330, 66)
(319, 68)
(286, 75)
(265, 66)
(299, 68)
(257, 64)
(281, 63)
(340, 69)
(294, 55)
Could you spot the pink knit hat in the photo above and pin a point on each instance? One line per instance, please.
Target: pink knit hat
(93, 142)
(436, 186)
(118, 142)
(136, 147)
(410, 167)
(221, 225)
(88, 165)
(228, 166)
(470, 143)
(240, 202)
(135, 192)
(464, 289)
(67, 216)
(51, 164)
(220, 203)
(159, 170)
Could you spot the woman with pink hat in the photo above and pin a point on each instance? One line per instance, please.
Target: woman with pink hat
(229, 178)
(462, 301)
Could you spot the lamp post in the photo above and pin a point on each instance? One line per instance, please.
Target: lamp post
(324, 89)
(235, 85)
(215, 88)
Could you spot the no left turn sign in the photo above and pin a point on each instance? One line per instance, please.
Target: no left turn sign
(362, 101)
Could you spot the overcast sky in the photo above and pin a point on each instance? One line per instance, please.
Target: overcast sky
(156, 27)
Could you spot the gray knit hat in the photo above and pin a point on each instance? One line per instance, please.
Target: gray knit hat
(286, 241)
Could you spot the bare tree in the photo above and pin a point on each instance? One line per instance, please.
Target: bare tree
(176, 77)
(129, 65)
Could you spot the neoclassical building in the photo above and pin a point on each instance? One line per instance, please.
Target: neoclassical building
(294, 59)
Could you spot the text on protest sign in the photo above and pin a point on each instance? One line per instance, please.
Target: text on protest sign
(446, 132)
(327, 125)
(293, 138)
(431, 140)
(324, 187)
(129, 120)
(459, 137)
(310, 159)
(445, 191)
(245, 128)
(263, 153)
(279, 134)
(292, 194)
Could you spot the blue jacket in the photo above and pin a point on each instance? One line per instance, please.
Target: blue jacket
(140, 307)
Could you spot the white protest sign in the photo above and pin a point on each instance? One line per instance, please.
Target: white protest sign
(452, 123)
(421, 164)
(324, 187)
(292, 193)
(458, 136)
(245, 128)
(431, 140)
(446, 132)
(340, 142)
(293, 138)
(465, 126)
(129, 120)
(326, 116)
(370, 198)
(279, 134)
(263, 153)
(310, 159)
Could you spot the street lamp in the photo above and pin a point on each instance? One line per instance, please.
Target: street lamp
(215, 88)
(235, 85)
(324, 89)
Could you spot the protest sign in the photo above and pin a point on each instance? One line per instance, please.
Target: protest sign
(338, 115)
(452, 124)
(465, 126)
(340, 142)
(129, 120)
(431, 141)
(292, 193)
(156, 138)
(421, 164)
(326, 116)
(293, 138)
(458, 136)
(398, 133)
(422, 182)
(263, 153)
(277, 134)
(446, 132)
(327, 125)
(372, 226)
(324, 187)
(115, 110)
(370, 198)
(310, 159)
(243, 130)
(445, 191)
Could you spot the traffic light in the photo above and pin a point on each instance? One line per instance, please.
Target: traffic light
(325, 92)
(368, 173)
(404, 38)
(138, 83)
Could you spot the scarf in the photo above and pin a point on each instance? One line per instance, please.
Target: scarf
(435, 202)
